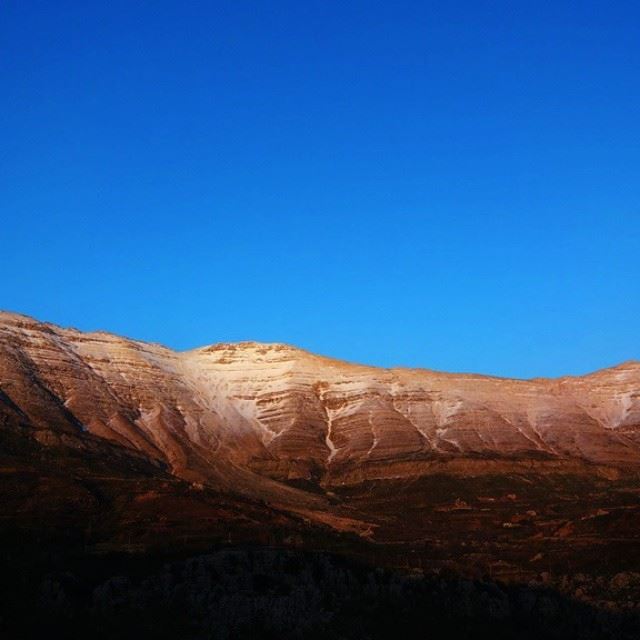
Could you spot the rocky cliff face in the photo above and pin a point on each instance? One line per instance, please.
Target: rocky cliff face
(352, 447)
(286, 413)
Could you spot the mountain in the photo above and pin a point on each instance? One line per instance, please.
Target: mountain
(121, 442)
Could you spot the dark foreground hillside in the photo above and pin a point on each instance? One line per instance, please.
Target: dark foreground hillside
(250, 593)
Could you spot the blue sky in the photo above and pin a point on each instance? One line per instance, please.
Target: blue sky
(447, 185)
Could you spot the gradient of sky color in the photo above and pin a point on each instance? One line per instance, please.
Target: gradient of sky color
(454, 185)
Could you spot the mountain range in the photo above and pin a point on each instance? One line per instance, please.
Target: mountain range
(122, 444)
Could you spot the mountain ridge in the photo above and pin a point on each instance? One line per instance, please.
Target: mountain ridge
(283, 412)
(285, 346)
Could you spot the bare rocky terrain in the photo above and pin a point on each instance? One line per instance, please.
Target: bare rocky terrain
(115, 445)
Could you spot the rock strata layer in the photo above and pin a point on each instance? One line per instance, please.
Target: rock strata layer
(285, 413)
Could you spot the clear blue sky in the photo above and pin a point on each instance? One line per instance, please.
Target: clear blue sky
(453, 185)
